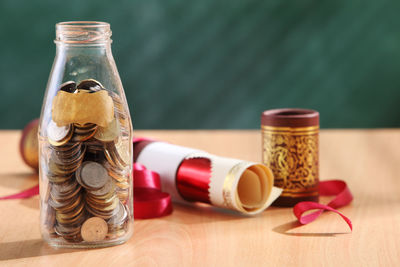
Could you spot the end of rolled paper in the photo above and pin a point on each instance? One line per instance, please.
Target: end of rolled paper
(255, 191)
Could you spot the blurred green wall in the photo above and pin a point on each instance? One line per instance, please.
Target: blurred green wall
(219, 64)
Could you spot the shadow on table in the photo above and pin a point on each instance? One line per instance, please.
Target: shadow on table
(14, 180)
(29, 248)
(284, 228)
(201, 213)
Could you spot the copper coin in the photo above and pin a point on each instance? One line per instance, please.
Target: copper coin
(94, 229)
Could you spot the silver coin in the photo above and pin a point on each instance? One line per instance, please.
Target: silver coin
(90, 84)
(120, 217)
(57, 133)
(66, 187)
(93, 175)
(107, 188)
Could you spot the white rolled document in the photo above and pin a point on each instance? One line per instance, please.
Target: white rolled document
(197, 176)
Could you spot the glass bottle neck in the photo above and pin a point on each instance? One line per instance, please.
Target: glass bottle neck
(83, 34)
(100, 49)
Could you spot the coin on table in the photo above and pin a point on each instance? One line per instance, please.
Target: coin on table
(94, 229)
(93, 175)
(69, 86)
(58, 135)
(90, 84)
(109, 133)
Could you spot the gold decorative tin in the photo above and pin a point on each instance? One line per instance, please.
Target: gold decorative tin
(290, 150)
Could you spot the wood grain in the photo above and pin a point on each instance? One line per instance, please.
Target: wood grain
(199, 236)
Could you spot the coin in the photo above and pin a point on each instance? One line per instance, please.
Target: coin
(94, 229)
(90, 84)
(120, 217)
(122, 152)
(98, 212)
(58, 135)
(106, 189)
(88, 169)
(66, 147)
(84, 132)
(108, 134)
(69, 86)
(56, 179)
(93, 175)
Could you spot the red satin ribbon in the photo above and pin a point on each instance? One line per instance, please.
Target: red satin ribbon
(33, 191)
(336, 188)
(149, 201)
(193, 179)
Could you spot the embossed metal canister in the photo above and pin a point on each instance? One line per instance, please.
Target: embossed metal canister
(290, 149)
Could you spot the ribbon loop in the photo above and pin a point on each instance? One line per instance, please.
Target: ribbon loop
(336, 188)
(149, 201)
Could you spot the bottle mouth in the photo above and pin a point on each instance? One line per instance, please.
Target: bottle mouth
(83, 32)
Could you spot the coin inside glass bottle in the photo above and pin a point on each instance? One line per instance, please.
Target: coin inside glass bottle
(85, 143)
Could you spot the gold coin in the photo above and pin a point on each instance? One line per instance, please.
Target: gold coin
(84, 128)
(115, 233)
(103, 205)
(63, 217)
(66, 147)
(120, 175)
(94, 229)
(109, 153)
(123, 195)
(109, 133)
(123, 185)
(102, 214)
(83, 137)
(65, 155)
(103, 191)
(56, 179)
(122, 153)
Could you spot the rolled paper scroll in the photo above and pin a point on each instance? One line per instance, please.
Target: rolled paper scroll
(191, 175)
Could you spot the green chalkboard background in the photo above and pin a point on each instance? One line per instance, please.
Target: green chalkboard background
(219, 64)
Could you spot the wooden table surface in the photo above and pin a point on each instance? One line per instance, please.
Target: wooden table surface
(369, 160)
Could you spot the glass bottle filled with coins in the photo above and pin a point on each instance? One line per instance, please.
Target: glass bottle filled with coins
(85, 143)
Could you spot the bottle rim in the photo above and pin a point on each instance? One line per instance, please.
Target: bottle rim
(83, 33)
